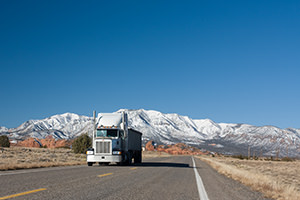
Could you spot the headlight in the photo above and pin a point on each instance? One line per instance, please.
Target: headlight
(90, 152)
(117, 152)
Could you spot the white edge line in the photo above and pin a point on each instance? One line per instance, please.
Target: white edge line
(201, 189)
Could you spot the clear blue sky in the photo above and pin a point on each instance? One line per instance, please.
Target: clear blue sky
(230, 61)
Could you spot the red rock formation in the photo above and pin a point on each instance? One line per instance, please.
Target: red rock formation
(48, 142)
(30, 142)
(149, 146)
(176, 149)
(63, 143)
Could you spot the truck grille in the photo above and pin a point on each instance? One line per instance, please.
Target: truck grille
(103, 147)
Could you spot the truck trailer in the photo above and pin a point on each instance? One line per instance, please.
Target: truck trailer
(113, 141)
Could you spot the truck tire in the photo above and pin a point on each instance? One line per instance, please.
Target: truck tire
(90, 164)
(128, 159)
(138, 157)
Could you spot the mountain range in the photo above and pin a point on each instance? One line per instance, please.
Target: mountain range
(173, 128)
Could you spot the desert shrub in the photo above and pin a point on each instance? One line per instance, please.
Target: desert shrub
(287, 159)
(241, 157)
(81, 144)
(63, 147)
(4, 141)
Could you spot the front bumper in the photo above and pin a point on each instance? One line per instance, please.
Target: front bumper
(104, 158)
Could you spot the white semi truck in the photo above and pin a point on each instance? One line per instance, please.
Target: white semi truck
(113, 141)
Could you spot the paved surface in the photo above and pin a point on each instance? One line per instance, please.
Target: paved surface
(156, 178)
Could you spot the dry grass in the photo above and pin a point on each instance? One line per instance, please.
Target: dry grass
(24, 158)
(277, 180)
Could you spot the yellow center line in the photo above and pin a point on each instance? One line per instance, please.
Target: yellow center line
(102, 175)
(21, 194)
(133, 168)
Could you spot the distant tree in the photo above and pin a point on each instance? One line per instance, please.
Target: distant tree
(81, 143)
(4, 141)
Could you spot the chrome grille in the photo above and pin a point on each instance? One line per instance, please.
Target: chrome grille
(103, 147)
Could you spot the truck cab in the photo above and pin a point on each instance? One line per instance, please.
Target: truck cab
(113, 141)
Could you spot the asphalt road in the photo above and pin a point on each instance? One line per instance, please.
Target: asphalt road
(156, 178)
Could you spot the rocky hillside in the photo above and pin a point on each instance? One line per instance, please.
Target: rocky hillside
(171, 129)
(64, 126)
(220, 137)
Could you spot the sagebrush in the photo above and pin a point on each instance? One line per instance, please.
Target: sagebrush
(82, 143)
(4, 141)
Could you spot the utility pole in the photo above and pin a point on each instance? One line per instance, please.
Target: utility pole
(249, 152)
(260, 153)
(277, 154)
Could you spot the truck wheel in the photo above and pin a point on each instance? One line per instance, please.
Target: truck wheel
(138, 157)
(128, 159)
(90, 164)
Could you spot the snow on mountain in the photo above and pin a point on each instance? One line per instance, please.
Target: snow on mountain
(3, 129)
(65, 126)
(173, 128)
(164, 128)
(208, 127)
(266, 139)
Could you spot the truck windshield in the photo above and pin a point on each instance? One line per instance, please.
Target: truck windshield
(107, 133)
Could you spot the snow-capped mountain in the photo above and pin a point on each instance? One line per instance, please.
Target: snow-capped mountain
(174, 128)
(3, 129)
(64, 126)
(226, 138)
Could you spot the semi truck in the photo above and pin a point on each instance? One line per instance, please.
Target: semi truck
(114, 141)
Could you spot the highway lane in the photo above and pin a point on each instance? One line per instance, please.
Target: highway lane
(156, 178)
